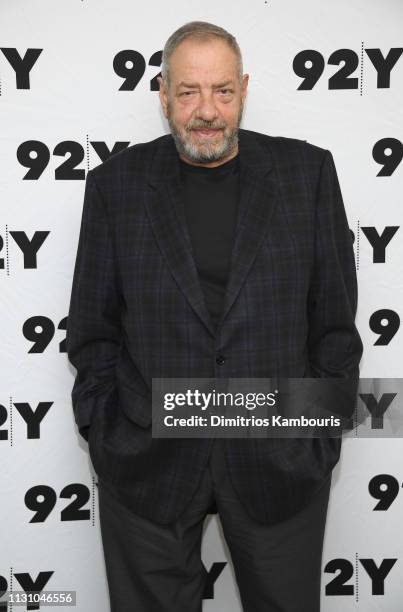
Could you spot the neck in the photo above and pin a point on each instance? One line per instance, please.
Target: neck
(212, 164)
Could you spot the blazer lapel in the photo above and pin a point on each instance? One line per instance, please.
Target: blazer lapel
(168, 222)
(257, 200)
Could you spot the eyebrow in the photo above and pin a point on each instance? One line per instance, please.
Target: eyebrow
(189, 85)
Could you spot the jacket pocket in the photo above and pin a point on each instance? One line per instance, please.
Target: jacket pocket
(135, 406)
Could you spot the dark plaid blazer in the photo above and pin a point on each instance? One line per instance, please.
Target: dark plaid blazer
(137, 311)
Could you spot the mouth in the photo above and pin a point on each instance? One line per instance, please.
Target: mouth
(206, 132)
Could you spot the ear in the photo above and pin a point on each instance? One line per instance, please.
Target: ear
(163, 96)
(244, 85)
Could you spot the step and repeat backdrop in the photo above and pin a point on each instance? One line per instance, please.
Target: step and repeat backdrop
(77, 84)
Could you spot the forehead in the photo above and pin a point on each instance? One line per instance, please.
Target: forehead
(195, 59)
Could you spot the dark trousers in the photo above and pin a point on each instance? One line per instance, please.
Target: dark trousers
(158, 568)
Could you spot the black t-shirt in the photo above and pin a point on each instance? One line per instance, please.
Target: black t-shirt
(210, 200)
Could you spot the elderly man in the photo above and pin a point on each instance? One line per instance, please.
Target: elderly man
(209, 252)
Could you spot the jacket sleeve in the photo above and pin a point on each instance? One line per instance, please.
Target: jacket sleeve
(93, 326)
(334, 344)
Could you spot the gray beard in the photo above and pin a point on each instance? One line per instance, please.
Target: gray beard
(206, 153)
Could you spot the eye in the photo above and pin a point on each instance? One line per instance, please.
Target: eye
(226, 90)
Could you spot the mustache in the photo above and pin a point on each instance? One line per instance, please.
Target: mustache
(204, 126)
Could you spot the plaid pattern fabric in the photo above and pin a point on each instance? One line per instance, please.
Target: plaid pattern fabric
(137, 311)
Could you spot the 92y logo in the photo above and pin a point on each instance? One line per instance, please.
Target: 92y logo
(377, 572)
(22, 66)
(41, 500)
(35, 155)
(32, 418)
(310, 65)
(128, 64)
(29, 247)
(385, 488)
(24, 581)
(388, 153)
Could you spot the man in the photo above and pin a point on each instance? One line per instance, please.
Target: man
(217, 252)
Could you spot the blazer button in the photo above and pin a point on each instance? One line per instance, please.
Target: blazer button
(220, 359)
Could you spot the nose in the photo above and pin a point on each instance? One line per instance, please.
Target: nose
(206, 108)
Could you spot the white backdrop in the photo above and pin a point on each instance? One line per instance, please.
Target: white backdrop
(69, 92)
